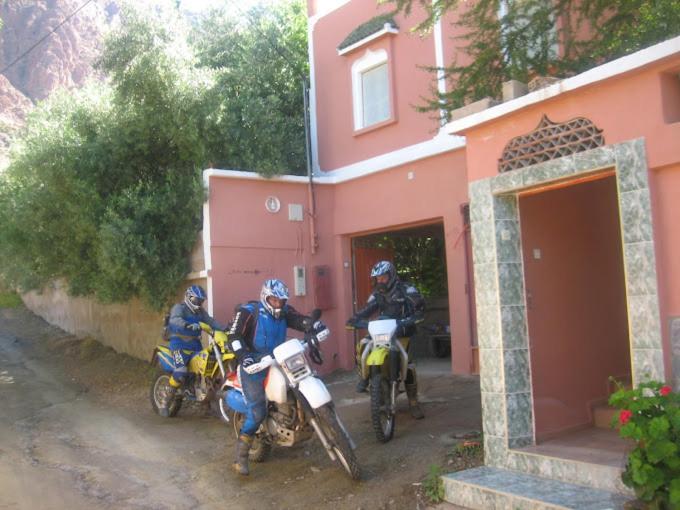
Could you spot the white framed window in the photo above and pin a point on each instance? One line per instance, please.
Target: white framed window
(371, 89)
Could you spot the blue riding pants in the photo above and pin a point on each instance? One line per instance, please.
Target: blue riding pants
(182, 358)
(256, 400)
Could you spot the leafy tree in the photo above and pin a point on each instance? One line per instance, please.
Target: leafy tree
(259, 61)
(517, 39)
(104, 188)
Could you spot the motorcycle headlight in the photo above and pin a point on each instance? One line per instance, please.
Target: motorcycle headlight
(382, 338)
(296, 363)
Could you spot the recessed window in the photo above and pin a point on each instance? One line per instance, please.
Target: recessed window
(371, 89)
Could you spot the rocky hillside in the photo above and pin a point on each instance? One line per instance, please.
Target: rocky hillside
(64, 59)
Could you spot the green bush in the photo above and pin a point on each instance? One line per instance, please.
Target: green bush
(433, 486)
(650, 415)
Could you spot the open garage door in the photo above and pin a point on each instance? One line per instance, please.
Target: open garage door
(419, 256)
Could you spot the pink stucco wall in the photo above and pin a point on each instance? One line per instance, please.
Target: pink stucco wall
(576, 300)
(614, 105)
(339, 145)
(248, 244)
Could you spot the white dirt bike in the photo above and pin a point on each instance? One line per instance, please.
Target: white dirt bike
(298, 403)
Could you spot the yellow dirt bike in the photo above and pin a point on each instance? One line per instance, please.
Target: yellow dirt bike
(384, 361)
(207, 373)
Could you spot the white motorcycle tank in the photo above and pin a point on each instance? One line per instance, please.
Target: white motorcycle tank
(276, 386)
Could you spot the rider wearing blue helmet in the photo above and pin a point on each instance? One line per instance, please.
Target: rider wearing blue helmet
(396, 300)
(258, 327)
(185, 337)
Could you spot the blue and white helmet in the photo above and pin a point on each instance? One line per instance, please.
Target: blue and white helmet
(277, 289)
(194, 297)
(381, 268)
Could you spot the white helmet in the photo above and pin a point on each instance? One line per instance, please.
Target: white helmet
(277, 289)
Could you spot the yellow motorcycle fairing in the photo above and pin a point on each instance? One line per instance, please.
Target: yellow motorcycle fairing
(377, 356)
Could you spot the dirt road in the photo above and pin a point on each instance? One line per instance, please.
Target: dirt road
(77, 432)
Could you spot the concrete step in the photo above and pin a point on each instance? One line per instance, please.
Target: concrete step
(602, 416)
(489, 488)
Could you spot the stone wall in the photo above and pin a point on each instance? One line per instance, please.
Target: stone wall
(129, 327)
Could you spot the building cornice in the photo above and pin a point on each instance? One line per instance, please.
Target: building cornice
(606, 71)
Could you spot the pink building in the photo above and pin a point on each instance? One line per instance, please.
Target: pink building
(574, 199)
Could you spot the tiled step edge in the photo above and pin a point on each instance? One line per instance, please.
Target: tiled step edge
(489, 488)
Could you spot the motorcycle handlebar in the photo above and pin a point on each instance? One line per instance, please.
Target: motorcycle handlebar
(265, 362)
(357, 325)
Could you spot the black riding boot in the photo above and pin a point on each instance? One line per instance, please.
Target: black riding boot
(170, 395)
(413, 405)
(362, 385)
(242, 448)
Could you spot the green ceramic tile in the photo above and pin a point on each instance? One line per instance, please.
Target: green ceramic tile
(514, 327)
(508, 241)
(517, 372)
(511, 283)
(486, 284)
(631, 165)
(491, 370)
(488, 327)
(507, 182)
(493, 413)
(594, 159)
(640, 267)
(636, 216)
(645, 326)
(520, 415)
(647, 365)
(505, 207)
(481, 203)
(483, 242)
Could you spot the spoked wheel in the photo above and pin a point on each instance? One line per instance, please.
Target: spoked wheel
(160, 391)
(341, 445)
(225, 413)
(381, 415)
(260, 448)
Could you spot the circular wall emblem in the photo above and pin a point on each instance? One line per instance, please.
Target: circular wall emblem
(272, 204)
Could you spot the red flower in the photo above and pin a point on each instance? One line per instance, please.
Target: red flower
(625, 416)
(665, 390)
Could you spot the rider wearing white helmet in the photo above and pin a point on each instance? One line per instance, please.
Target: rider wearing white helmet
(258, 327)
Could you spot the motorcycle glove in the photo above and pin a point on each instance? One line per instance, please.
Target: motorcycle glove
(194, 326)
(247, 360)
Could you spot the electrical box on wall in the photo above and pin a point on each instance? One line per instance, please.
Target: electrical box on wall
(299, 279)
(321, 282)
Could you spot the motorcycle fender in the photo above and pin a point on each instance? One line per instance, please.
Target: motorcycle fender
(236, 401)
(165, 359)
(377, 357)
(276, 386)
(315, 391)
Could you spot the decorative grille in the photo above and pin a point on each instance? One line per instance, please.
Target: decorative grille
(550, 141)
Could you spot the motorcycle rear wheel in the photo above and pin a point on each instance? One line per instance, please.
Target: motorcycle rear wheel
(383, 420)
(260, 448)
(160, 385)
(340, 443)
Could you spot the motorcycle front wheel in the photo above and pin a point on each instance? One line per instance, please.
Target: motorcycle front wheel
(340, 443)
(160, 386)
(260, 448)
(382, 417)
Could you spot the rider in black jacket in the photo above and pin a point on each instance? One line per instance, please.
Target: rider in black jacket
(396, 300)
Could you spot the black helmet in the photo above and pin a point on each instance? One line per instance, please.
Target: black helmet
(384, 267)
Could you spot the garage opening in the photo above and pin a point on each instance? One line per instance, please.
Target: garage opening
(576, 307)
(420, 258)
